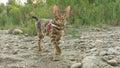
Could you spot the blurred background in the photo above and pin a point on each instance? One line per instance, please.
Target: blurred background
(93, 13)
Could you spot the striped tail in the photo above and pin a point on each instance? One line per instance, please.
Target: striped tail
(34, 17)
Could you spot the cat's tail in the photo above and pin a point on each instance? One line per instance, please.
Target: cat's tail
(34, 17)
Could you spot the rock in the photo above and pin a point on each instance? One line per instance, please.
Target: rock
(102, 53)
(15, 31)
(106, 58)
(72, 59)
(44, 54)
(110, 51)
(76, 65)
(57, 58)
(91, 62)
(92, 50)
(15, 52)
(117, 48)
(78, 41)
(112, 62)
(10, 31)
(26, 35)
(118, 59)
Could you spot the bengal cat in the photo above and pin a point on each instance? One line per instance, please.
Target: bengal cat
(52, 27)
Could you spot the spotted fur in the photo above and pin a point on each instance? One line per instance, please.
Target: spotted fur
(56, 26)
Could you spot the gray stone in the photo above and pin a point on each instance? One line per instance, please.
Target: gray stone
(109, 51)
(91, 62)
(112, 62)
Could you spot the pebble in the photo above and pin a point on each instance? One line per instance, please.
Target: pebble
(57, 58)
(15, 31)
(15, 52)
(112, 62)
(109, 51)
(76, 65)
(26, 35)
(44, 54)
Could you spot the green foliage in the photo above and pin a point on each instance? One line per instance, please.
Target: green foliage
(73, 32)
(96, 12)
(3, 15)
(83, 12)
(30, 29)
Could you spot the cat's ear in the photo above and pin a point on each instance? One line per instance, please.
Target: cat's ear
(55, 10)
(67, 11)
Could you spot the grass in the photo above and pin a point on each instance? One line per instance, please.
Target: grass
(73, 32)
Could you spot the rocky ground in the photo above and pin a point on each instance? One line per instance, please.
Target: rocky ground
(90, 48)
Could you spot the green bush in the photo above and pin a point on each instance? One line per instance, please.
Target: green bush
(83, 13)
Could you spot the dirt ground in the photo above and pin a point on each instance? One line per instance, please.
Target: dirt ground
(19, 51)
